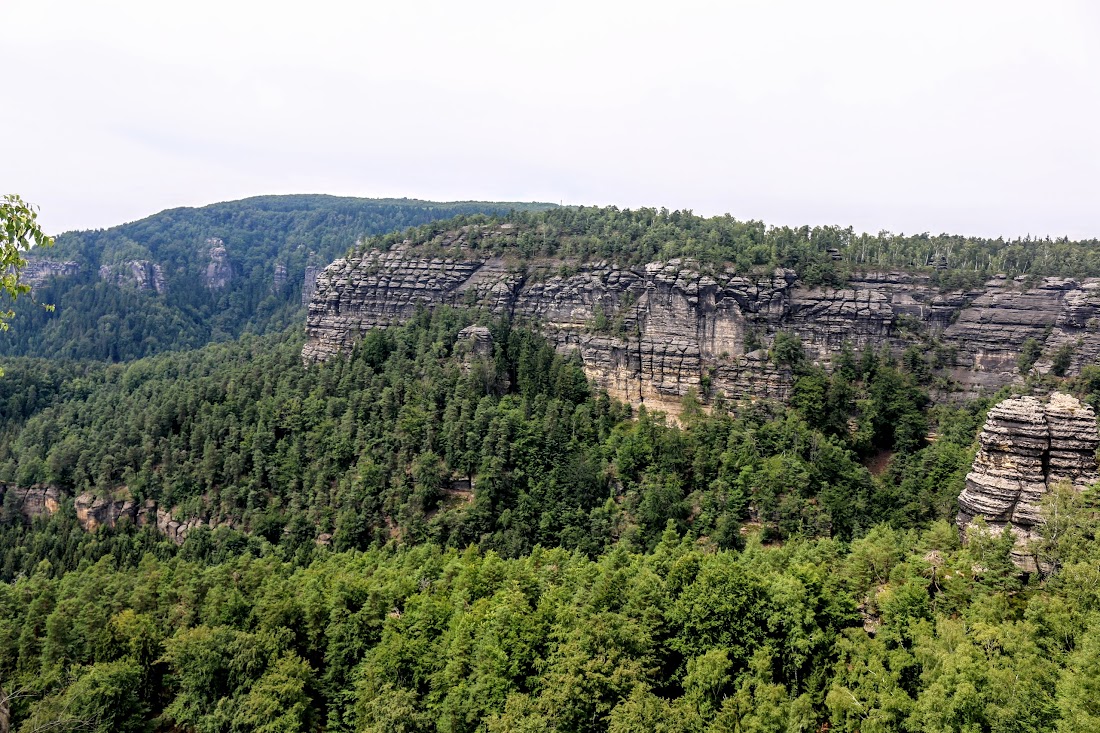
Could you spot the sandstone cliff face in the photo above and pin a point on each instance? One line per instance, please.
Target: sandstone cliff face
(478, 341)
(309, 284)
(279, 279)
(1027, 447)
(140, 274)
(34, 501)
(218, 271)
(651, 334)
(39, 271)
(93, 512)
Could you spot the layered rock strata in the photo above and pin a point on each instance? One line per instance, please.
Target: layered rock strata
(279, 279)
(478, 340)
(94, 512)
(36, 272)
(652, 334)
(1028, 447)
(309, 283)
(140, 274)
(219, 271)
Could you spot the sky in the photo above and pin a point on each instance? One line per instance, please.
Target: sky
(967, 116)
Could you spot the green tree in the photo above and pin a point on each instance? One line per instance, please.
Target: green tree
(1059, 365)
(19, 232)
(1030, 352)
(1078, 693)
(279, 701)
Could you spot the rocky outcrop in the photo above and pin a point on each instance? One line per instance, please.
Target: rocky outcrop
(175, 529)
(309, 283)
(997, 321)
(33, 501)
(652, 334)
(38, 271)
(93, 511)
(279, 279)
(219, 271)
(478, 340)
(140, 274)
(1027, 447)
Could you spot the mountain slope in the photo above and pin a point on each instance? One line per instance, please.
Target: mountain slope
(188, 276)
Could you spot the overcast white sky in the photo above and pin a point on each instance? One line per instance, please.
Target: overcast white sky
(964, 116)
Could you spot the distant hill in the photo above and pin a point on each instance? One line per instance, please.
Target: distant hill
(188, 276)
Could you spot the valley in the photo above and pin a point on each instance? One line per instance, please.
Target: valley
(304, 464)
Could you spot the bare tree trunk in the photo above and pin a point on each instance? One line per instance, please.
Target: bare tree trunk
(5, 712)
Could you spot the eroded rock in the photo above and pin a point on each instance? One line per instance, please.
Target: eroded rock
(309, 283)
(1027, 447)
(219, 271)
(651, 334)
(140, 274)
(38, 271)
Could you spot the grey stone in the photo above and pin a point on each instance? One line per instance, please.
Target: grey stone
(678, 322)
(1027, 447)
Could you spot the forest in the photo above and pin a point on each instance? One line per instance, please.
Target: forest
(96, 318)
(421, 538)
(819, 255)
(244, 433)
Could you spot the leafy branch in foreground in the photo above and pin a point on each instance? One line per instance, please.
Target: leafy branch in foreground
(19, 232)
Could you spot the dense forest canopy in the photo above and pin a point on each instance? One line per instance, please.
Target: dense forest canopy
(372, 446)
(601, 571)
(896, 631)
(822, 254)
(427, 536)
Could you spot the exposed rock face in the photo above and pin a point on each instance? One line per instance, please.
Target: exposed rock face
(1027, 447)
(36, 501)
(39, 271)
(140, 274)
(478, 339)
(309, 284)
(174, 529)
(280, 276)
(651, 334)
(93, 512)
(219, 272)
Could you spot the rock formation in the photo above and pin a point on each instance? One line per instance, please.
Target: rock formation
(280, 277)
(1028, 447)
(93, 512)
(140, 274)
(309, 284)
(478, 340)
(176, 530)
(39, 271)
(33, 501)
(218, 271)
(650, 334)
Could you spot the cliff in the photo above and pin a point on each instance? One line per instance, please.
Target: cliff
(1027, 447)
(219, 271)
(38, 271)
(140, 274)
(651, 334)
(93, 512)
